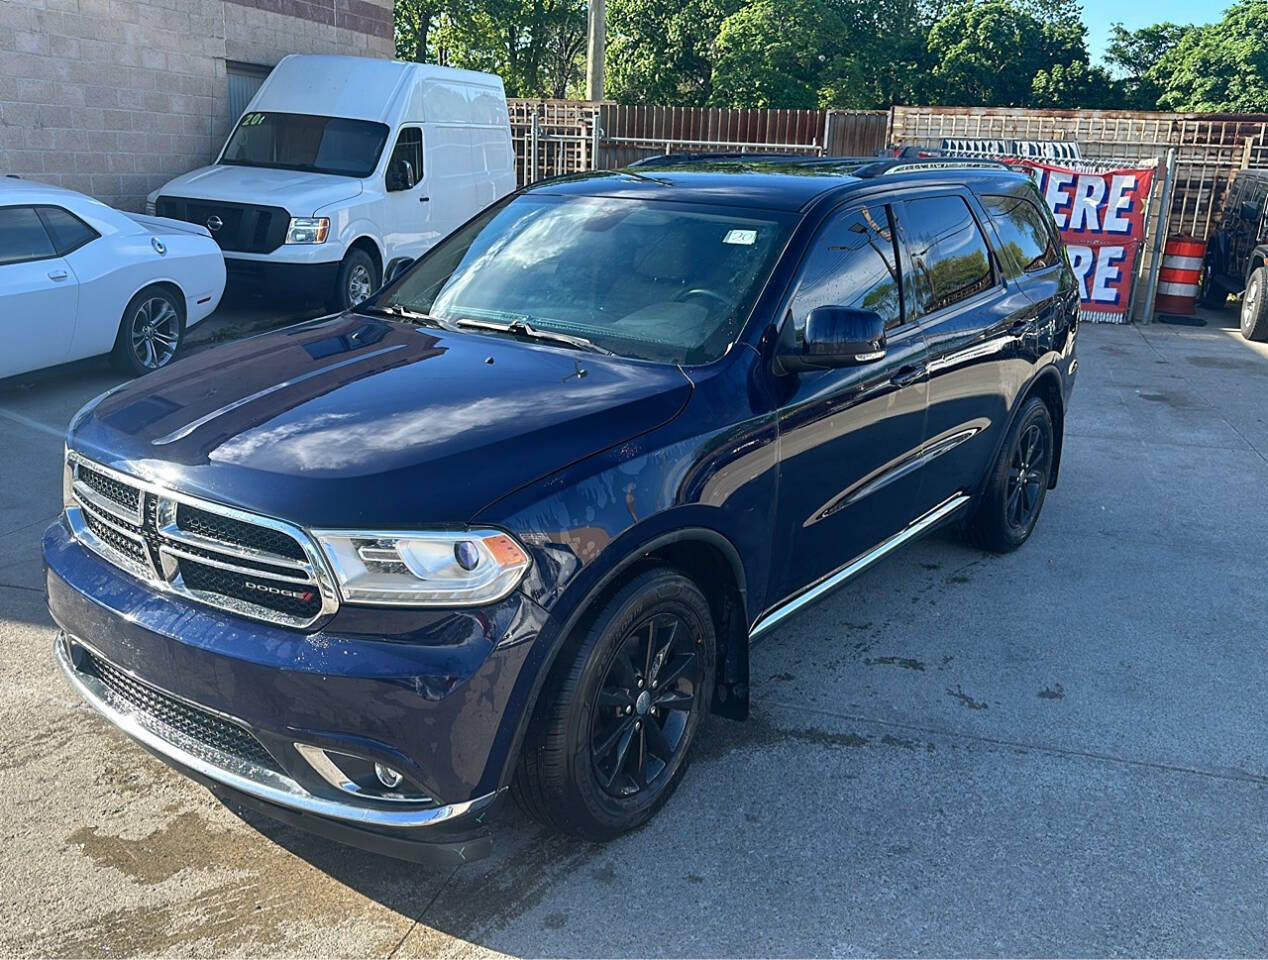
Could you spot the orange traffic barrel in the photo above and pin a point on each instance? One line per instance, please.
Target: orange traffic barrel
(1180, 279)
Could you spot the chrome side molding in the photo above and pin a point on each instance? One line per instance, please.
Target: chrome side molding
(787, 608)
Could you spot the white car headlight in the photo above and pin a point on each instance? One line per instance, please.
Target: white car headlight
(308, 230)
(424, 569)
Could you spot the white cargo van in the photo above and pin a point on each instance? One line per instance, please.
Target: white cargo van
(343, 169)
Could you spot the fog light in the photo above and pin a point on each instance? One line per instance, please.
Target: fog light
(387, 776)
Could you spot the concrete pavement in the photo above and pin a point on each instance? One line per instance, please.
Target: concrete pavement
(1061, 751)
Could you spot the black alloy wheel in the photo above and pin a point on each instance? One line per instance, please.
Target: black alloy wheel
(641, 714)
(1008, 507)
(611, 733)
(1027, 478)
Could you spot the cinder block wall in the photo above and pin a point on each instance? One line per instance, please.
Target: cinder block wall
(113, 97)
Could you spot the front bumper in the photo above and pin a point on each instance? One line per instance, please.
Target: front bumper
(442, 706)
(297, 280)
(454, 833)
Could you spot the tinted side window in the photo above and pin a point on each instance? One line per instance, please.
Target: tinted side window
(406, 165)
(22, 236)
(1023, 234)
(951, 257)
(853, 264)
(69, 233)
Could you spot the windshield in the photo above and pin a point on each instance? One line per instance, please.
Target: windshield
(657, 281)
(296, 141)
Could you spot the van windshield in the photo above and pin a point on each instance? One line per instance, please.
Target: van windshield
(296, 141)
(670, 282)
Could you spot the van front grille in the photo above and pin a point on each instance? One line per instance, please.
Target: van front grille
(249, 565)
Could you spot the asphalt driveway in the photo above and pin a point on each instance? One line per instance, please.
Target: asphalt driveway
(1061, 751)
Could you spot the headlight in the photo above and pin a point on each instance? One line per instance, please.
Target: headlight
(425, 569)
(308, 230)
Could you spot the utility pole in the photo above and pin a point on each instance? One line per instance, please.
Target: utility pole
(596, 41)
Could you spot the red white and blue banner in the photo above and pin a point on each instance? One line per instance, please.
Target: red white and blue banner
(1101, 216)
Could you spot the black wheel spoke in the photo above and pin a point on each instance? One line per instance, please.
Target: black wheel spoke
(610, 697)
(673, 700)
(660, 747)
(610, 742)
(644, 705)
(672, 671)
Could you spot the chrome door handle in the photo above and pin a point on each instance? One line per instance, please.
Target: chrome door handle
(908, 375)
(58, 275)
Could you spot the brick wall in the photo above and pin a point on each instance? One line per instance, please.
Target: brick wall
(114, 97)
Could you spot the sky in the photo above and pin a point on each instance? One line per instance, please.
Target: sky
(1099, 15)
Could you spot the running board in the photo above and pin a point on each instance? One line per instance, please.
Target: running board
(857, 565)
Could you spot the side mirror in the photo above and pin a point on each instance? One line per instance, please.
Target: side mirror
(1250, 210)
(394, 270)
(837, 337)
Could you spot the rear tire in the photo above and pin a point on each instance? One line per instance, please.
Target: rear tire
(1212, 294)
(614, 724)
(358, 277)
(1009, 507)
(1254, 323)
(150, 332)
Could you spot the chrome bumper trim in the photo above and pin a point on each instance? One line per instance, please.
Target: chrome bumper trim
(243, 776)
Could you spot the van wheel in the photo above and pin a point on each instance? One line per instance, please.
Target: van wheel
(1254, 322)
(614, 725)
(150, 332)
(358, 277)
(1009, 507)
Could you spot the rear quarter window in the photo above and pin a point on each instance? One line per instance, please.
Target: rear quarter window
(1025, 239)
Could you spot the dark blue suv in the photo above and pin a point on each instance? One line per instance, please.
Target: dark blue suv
(512, 524)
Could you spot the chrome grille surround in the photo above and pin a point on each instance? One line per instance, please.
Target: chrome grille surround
(151, 524)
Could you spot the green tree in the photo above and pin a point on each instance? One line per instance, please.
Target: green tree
(1011, 53)
(661, 51)
(1133, 55)
(773, 52)
(535, 46)
(1218, 67)
(415, 24)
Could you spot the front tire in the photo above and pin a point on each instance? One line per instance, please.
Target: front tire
(150, 332)
(1010, 505)
(358, 277)
(1254, 323)
(614, 725)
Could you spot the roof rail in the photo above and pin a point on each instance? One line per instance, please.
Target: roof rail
(675, 159)
(892, 165)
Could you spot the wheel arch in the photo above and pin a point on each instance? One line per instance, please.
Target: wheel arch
(1046, 384)
(700, 553)
(368, 244)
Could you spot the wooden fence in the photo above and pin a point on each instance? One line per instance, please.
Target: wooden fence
(554, 137)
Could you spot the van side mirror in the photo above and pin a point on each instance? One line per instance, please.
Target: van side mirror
(837, 337)
(1250, 210)
(400, 176)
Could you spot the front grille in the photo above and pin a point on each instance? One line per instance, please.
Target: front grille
(243, 228)
(124, 544)
(184, 718)
(215, 526)
(300, 602)
(114, 491)
(258, 568)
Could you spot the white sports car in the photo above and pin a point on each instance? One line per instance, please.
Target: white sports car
(79, 278)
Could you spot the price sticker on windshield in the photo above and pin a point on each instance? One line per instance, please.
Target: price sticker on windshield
(744, 238)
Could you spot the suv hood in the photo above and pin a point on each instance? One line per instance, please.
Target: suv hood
(358, 421)
(301, 193)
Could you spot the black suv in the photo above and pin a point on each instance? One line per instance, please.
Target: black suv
(511, 524)
(1236, 251)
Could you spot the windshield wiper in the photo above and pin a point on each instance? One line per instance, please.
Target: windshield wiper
(522, 328)
(398, 312)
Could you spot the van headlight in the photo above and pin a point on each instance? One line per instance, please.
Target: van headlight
(424, 569)
(308, 230)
